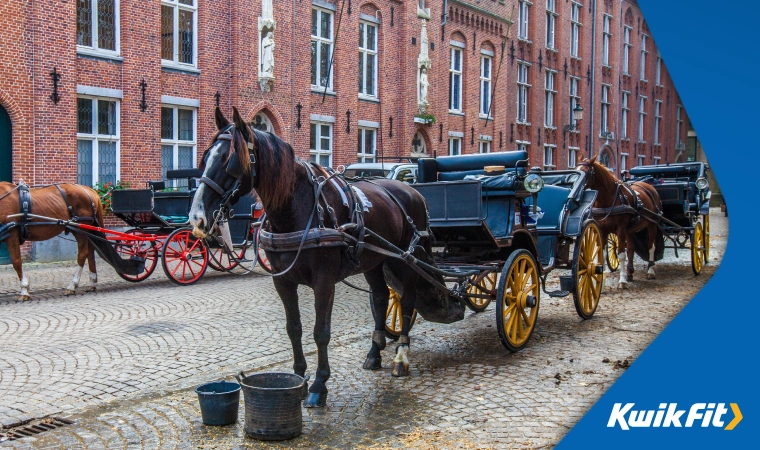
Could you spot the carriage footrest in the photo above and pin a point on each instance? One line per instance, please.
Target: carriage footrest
(556, 294)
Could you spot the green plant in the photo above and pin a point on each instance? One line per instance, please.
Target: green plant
(104, 191)
(427, 117)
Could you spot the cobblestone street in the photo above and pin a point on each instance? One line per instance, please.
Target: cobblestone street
(122, 362)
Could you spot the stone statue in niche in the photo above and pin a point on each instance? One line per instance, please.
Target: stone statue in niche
(267, 54)
(424, 84)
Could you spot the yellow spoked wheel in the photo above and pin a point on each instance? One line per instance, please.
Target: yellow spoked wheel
(518, 299)
(393, 318)
(486, 286)
(588, 269)
(613, 262)
(697, 251)
(706, 236)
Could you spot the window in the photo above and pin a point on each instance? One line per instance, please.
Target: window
(455, 146)
(658, 76)
(367, 59)
(485, 147)
(606, 41)
(642, 116)
(97, 140)
(522, 19)
(624, 116)
(644, 57)
(485, 85)
(642, 159)
(261, 122)
(549, 157)
(320, 144)
(178, 31)
(678, 126)
(455, 80)
(418, 144)
(604, 159)
(551, 22)
(623, 162)
(551, 93)
(575, 30)
(626, 50)
(177, 141)
(367, 145)
(98, 25)
(523, 146)
(657, 120)
(572, 157)
(523, 91)
(605, 109)
(575, 97)
(321, 48)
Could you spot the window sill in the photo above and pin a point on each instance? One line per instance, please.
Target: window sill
(180, 67)
(550, 127)
(576, 58)
(552, 49)
(523, 123)
(367, 98)
(321, 90)
(456, 113)
(485, 117)
(606, 66)
(524, 39)
(101, 54)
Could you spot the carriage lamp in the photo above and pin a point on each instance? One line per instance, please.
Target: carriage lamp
(533, 183)
(577, 115)
(702, 183)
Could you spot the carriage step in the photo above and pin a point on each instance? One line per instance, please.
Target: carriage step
(556, 294)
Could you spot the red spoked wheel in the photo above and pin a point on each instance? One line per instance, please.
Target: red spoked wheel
(142, 249)
(185, 257)
(220, 260)
(262, 256)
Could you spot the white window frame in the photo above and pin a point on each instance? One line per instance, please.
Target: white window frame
(605, 116)
(644, 53)
(658, 74)
(484, 146)
(366, 54)
(93, 49)
(549, 163)
(550, 87)
(641, 159)
(317, 152)
(175, 63)
(523, 91)
(455, 77)
(455, 150)
(524, 145)
(551, 24)
(523, 17)
(95, 137)
(606, 40)
(626, 112)
(627, 50)
(575, 29)
(642, 117)
(575, 97)
(657, 121)
(623, 162)
(175, 142)
(572, 157)
(330, 41)
(486, 85)
(362, 155)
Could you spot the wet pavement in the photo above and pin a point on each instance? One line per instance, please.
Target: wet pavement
(121, 363)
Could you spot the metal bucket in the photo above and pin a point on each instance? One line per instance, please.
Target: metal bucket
(272, 405)
(219, 402)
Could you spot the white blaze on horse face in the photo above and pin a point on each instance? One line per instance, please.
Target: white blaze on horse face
(197, 210)
(75, 280)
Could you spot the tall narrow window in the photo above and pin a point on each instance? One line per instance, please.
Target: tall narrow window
(179, 32)
(549, 157)
(575, 98)
(642, 159)
(455, 80)
(626, 111)
(623, 163)
(321, 48)
(551, 93)
(98, 25)
(606, 41)
(177, 141)
(551, 23)
(485, 85)
(523, 146)
(523, 8)
(366, 147)
(657, 120)
(523, 91)
(642, 116)
(605, 109)
(320, 144)
(97, 140)
(572, 157)
(658, 74)
(367, 59)
(575, 30)
(644, 57)
(626, 50)
(678, 126)
(455, 146)
(485, 147)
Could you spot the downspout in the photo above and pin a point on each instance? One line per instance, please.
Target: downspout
(593, 80)
(292, 82)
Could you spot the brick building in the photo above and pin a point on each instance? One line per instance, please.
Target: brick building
(106, 90)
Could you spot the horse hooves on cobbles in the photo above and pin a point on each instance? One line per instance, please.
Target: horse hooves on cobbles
(622, 286)
(315, 400)
(373, 363)
(400, 370)
(23, 298)
(69, 292)
(651, 276)
(89, 289)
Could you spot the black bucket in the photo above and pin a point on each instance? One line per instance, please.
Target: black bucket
(272, 405)
(219, 401)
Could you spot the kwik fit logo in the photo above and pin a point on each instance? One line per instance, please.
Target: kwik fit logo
(669, 415)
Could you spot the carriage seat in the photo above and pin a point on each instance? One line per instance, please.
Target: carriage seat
(190, 174)
(453, 168)
(565, 179)
(552, 200)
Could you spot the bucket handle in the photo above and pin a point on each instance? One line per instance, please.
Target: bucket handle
(240, 376)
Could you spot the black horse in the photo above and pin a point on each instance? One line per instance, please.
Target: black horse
(299, 196)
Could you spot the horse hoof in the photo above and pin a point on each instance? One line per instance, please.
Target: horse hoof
(651, 276)
(400, 370)
(315, 400)
(622, 285)
(23, 298)
(373, 363)
(89, 289)
(69, 292)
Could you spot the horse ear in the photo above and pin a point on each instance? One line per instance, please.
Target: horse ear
(240, 123)
(593, 159)
(221, 121)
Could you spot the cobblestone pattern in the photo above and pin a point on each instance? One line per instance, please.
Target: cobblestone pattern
(465, 389)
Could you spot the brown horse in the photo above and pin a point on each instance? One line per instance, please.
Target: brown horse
(617, 210)
(49, 202)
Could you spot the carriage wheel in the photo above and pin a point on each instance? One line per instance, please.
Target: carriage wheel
(220, 260)
(706, 236)
(143, 249)
(262, 256)
(613, 262)
(487, 286)
(588, 268)
(517, 300)
(393, 316)
(697, 251)
(185, 257)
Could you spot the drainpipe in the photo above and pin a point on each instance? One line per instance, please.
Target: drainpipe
(593, 79)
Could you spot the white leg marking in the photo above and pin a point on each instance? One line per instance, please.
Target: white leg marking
(623, 282)
(75, 280)
(93, 281)
(650, 270)
(24, 285)
(402, 355)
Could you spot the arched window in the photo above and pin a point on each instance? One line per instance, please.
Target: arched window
(262, 123)
(418, 144)
(604, 159)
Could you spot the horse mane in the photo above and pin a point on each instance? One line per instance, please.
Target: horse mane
(604, 177)
(276, 173)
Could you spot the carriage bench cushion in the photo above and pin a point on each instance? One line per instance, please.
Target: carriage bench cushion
(552, 201)
(450, 168)
(504, 182)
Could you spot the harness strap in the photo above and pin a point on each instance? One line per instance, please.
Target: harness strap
(68, 205)
(25, 207)
(212, 184)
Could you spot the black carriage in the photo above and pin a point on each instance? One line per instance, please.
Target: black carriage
(685, 195)
(159, 219)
